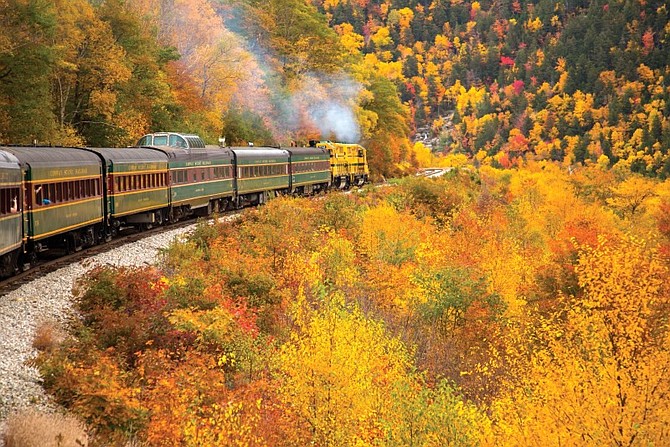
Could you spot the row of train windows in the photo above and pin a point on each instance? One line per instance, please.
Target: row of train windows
(9, 200)
(310, 166)
(178, 176)
(134, 182)
(262, 171)
(61, 192)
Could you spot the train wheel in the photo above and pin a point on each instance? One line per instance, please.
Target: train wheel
(9, 263)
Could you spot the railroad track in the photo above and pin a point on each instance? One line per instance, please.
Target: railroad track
(53, 262)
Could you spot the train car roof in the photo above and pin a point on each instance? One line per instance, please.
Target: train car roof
(193, 154)
(130, 154)
(53, 156)
(307, 150)
(259, 153)
(7, 159)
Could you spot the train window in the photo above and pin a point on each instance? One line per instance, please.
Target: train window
(145, 141)
(202, 174)
(4, 201)
(177, 141)
(160, 140)
(39, 194)
(9, 201)
(56, 191)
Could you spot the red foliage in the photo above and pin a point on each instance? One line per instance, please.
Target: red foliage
(647, 42)
(518, 86)
(506, 61)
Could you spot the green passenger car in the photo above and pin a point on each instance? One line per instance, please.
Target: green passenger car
(63, 196)
(11, 204)
(137, 188)
(310, 169)
(201, 179)
(261, 172)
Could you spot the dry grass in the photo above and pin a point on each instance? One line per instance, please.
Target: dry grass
(30, 428)
(47, 336)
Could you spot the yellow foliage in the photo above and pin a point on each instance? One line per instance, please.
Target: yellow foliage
(422, 155)
(382, 37)
(390, 236)
(533, 25)
(599, 375)
(337, 377)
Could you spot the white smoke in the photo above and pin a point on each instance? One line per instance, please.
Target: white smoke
(329, 102)
(338, 120)
(323, 102)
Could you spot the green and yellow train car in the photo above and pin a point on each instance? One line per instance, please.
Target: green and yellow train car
(310, 169)
(63, 197)
(200, 176)
(11, 204)
(136, 190)
(261, 172)
(201, 179)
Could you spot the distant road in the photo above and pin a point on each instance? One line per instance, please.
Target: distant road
(433, 172)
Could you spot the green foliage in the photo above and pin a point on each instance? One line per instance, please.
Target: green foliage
(243, 126)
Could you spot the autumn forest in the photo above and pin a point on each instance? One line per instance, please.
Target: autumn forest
(521, 299)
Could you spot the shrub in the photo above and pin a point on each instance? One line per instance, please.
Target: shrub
(47, 336)
(30, 428)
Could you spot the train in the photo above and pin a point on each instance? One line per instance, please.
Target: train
(70, 198)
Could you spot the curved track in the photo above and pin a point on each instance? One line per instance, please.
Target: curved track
(45, 266)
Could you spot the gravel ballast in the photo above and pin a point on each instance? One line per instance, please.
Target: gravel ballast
(49, 299)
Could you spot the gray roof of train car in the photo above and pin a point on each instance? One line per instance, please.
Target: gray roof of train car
(53, 156)
(194, 154)
(259, 153)
(8, 160)
(308, 150)
(130, 155)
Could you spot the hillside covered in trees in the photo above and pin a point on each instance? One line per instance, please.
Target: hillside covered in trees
(575, 81)
(520, 300)
(504, 308)
(501, 82)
